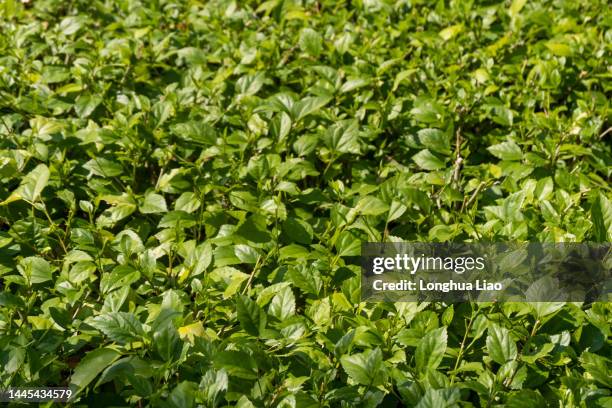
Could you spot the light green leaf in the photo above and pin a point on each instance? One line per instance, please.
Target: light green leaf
(311, 42)
(558, 48)
(396, 210)
(438, 398)
(31, 186)
(102, 167)
(435, 140)
(309, 281)
(153, 204)
(598, 368)
(516, 7)
(35, 269)
(308, 106)
(86, 104)
(450, 32)
(500, 346)
(121, 276)
(365, 368)
(526, 398)
(187, 202)
(200, 259)
(506, 151)
(246, 254)
(353, 84)
(283, 304)
(430, 350)
(544, 188)
(428, 161)
(343, 137)
(427, 110)
(370, 205)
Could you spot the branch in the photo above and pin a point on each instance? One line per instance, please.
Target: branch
(458, 159)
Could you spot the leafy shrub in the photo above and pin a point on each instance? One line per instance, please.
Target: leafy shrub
(185, 187)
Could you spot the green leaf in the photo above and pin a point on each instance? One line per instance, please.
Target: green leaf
(450, 32)
(308, 106)
(560, 49)
(121, 276)
(246, 254)
(506, 151)
(435, 140)
(183, 395)
(121, 327)
(348, 244)
(195, 132)
(365, 368)
(500, 346)
(516, 7)
(31, 186)
(35, 269)
(251, 317)
(192, 55)
(86, 104)
(352, 84)
(250, 84)
(10, 301)
(427, 111)
(307, 280)
(430, 350)
(188, 202)
(237, 364)
(526, 398)
(71, 25)
(54, 74)
(153, 204)
(343, 137)
(231, 277)
(102, 167)
(254, 229)
(167, 342)
(162, 111)
(544, 188)
(200, 259)
(428, 161)
(213, 384)
(503, 115)
(370, 205)
(435, 398)
(283, 304)
(298, 230)
(311, 42)
(14, 360)
(598, 368)
(91, 366)
(396, 210)
(601, 213)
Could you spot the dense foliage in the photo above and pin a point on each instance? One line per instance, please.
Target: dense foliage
(185, 186)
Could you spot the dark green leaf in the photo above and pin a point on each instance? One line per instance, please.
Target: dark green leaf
(251, 317)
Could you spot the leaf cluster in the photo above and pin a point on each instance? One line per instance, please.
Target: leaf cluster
(185, 185)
